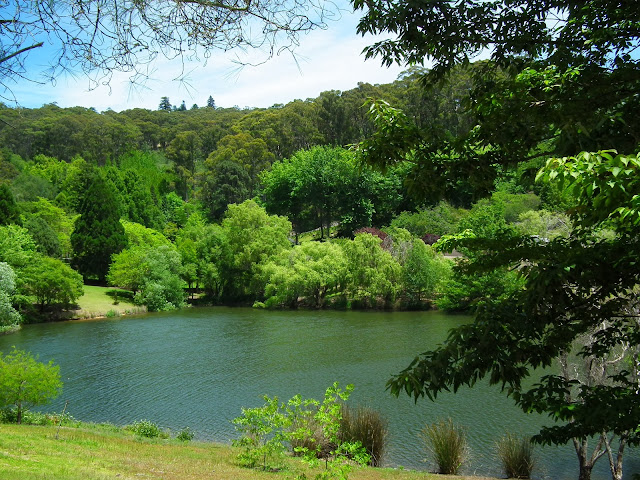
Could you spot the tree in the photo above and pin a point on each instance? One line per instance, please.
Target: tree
(162, 288)
(152, 273)
(322, 185)
(128, 269)
(251, 153)
(165, 104)
(307, 274)
(422, 271)
(184, 151)
(211, 103)
(25, 382)
(570, 290)
(119, 35)
(8, 209)
(226, 182)
(51, 282)
(97, 233)
(8, 314)
(57, 219)
(17, 248)
(46, 240)
(570, 84)
(374, 275)
(251, 238)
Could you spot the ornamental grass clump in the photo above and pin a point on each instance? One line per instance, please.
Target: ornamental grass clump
(447, 444)
(517, 456)
(367, 426)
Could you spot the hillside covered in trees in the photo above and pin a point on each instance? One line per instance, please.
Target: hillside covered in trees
(237, 206)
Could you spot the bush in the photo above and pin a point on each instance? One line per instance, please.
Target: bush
(147, 429)
(516, 455)
(185, 435)
(448, 445)
(312, 438)
(366, 426)
(29, 417)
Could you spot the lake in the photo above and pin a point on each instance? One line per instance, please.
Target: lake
(198, 367)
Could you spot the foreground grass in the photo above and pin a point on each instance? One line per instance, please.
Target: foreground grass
(99, 302)
(92, 452)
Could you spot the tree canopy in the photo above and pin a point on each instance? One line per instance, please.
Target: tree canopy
(561, 78)
(569, 84)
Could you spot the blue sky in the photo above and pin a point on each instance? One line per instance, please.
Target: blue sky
(328, 59)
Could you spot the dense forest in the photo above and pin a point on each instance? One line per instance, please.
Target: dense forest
(270, 207)
(525, 164)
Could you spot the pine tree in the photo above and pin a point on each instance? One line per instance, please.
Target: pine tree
(165, 104)
(98, 233)
(211, 102)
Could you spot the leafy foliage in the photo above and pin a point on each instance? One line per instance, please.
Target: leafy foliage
(25, 382)
(17, 248)
(147, 429)
(264, 432)
(251, 237)
(570, 290)
(8, 314)
(51, 282)
(152, 273)
(9, 212)
(373, 272)
(311, 427)
(306, 274)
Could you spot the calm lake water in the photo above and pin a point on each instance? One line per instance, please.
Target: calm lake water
(198, 367)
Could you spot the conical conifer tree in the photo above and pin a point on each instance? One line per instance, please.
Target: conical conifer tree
(98, 233)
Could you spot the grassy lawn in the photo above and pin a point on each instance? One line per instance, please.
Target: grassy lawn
(99, 302)
(93, 452)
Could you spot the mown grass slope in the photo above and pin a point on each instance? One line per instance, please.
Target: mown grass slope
(105, 301)
(99, 452)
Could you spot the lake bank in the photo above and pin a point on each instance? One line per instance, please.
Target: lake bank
(95, 452)
(198, 367)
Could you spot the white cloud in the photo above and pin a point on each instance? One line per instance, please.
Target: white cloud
(328, 59)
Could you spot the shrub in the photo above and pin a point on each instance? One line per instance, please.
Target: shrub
(145, 428)
(516, 455)
(367, 426)
(185, 435)
(448, 445)
(263, 433)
